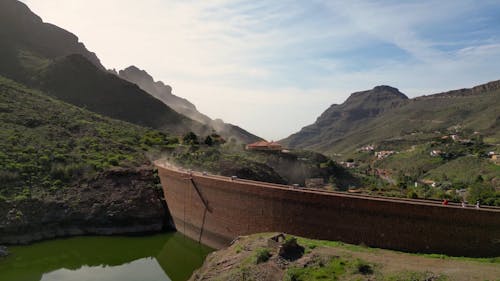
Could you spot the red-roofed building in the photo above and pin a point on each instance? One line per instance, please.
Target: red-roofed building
(264, 145)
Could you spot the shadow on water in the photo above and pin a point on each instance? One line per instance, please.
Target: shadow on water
(168, 256)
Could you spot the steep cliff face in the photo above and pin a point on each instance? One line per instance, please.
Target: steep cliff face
(362, 105)
(27, 41)
(164, 93)
(338, 120)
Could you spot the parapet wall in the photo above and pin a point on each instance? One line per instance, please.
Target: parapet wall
(215, 210)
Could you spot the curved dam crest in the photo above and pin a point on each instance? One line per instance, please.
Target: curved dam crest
(214, 210)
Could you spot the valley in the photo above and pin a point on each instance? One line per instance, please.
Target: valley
(112, 174)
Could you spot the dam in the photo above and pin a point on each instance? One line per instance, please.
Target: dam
(214, 210)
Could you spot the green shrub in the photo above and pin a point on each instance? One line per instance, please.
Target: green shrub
(262, 255)
(190, 139)
(363, 267)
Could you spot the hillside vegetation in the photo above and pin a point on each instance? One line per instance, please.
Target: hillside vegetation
(48, 144)
(289, 167)
(438, 146)
(385, 113)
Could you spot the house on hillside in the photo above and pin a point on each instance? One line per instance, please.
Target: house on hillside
(384, 154)
(495, 157)
(428, 182)
(367, 148)
(348, 164)
(265, 146)
(435, 153)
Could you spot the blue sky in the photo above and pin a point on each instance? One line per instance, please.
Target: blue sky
(272, 67)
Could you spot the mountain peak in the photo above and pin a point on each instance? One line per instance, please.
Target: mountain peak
(134, 70)
(378, 92)
(385, 88)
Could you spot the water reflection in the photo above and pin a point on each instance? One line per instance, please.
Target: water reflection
(146, 269)
(169, 256)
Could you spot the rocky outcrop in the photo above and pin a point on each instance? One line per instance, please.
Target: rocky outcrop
(477, 90)
(121, 201)
(339, 119)
(162, 92)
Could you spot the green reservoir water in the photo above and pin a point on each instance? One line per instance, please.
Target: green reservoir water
(169, 256)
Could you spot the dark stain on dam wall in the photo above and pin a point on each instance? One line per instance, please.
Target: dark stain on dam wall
(215, 210)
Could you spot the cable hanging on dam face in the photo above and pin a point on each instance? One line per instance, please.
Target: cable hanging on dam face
(205, 203)
(200, 195)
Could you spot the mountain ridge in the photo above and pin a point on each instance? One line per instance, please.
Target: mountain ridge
(479, 89)
(382, 113)
(20, 29)
(76, 80)
(161, 91)
(164, 93)
(49, 58)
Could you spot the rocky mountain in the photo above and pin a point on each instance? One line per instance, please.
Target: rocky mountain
(51, 59)
(76, 80)
(339, 120)
(27, 42)
(163, 92)
(385, 113)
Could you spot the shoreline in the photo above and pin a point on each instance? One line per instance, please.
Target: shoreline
(74, 231)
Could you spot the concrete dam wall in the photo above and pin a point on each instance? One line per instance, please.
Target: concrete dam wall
(215, 210)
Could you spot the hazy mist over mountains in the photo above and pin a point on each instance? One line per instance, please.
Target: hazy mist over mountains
(164, 93)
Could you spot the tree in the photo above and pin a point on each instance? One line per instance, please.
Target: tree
(209, 141)
(173, 140)
(190, 139)
(484, 193)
